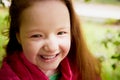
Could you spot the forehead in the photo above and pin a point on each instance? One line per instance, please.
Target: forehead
(46, 5)
(45, 10)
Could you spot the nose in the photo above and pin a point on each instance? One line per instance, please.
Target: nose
(51, 44)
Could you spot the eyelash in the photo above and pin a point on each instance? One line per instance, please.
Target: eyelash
(36, 36)
(61, 33)
(39, 35)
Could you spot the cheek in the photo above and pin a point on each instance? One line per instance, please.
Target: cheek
(31, 50)
(65, 45)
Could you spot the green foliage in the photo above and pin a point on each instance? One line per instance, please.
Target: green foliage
(104, 43)
(112, 21)
(112, 2)
(87, 0)
(109, 1)
(3, 26)
(114, 39)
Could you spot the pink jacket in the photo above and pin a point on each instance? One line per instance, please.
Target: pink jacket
(16, 67)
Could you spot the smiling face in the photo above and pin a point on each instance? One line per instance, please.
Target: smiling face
(45, 34)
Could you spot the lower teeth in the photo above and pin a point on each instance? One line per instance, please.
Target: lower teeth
(46, 57)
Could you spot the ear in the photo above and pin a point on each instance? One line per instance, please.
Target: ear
(18, 37)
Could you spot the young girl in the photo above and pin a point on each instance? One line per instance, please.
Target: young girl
(46, 43)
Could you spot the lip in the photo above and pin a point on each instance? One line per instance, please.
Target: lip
(49, 58)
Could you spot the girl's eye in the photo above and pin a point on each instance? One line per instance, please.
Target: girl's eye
(36, 36)
(61, 33)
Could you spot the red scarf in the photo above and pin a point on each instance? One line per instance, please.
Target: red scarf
(27, 71)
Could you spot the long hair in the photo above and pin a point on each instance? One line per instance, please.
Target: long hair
(79, 54)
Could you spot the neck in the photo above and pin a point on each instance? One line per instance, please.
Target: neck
(49, 73)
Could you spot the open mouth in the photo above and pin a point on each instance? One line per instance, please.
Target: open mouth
(48, 57)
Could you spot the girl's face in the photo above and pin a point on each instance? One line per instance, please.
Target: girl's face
(45, 34)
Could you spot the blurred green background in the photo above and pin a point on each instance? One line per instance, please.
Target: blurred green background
(101, 34)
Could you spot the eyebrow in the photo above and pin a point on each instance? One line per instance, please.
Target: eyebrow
(59, 28)
(65, 27)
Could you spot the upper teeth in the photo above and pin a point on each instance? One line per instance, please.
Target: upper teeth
(48, 57)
